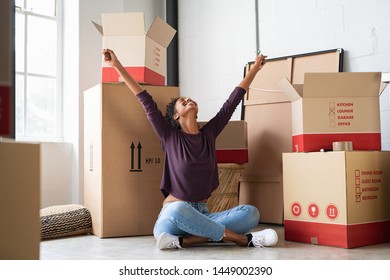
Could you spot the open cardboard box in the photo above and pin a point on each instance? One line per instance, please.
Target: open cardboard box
(143, 54)
(332, 107)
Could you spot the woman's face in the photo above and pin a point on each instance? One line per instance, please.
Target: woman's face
(185, 105)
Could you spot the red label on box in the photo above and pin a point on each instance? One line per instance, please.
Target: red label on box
(344, 236)
(140, 74)
(5, 110)
(316, 142)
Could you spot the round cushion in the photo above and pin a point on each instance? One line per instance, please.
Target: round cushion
(65, 220)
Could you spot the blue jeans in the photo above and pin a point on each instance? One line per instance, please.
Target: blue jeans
(181, 218)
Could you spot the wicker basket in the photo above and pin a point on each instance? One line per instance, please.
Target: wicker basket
(226, 195)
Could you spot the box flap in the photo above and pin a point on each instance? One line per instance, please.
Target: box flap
(386, 77)
(293, 91)
(352, 84)
(262, 96)
(161, 32)
(123, 24)
(98, 27)
(383, 86)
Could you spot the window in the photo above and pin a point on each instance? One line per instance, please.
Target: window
(38, 102)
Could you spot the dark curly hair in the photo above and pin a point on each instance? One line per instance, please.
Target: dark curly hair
(170, 112)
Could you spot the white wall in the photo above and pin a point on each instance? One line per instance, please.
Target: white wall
(216, 39)
(360, 27)
(56, 174)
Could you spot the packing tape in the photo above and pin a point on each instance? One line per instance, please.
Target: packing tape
(342, 146)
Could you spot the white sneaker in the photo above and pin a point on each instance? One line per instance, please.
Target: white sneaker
(167, 241)
(264, 238)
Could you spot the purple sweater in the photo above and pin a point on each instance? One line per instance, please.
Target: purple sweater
(190, 168)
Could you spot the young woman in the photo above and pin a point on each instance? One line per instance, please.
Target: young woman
(190, 170)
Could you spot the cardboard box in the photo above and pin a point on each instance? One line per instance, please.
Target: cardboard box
(267, 111)
(143, 54)
(123, 160)
(20, 234)
(232, 143)
(332, 107)
(337, 198)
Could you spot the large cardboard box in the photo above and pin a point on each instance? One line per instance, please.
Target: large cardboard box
(332, 107)
(232, 143)
(267, 111)
(19, 201)
(143, 54)
(337, 198)
(123, 160)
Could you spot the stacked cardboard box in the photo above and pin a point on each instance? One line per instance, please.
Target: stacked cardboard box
(143, 54)
(267, 111)
(123, 158)
(332, 107)
(336, 198)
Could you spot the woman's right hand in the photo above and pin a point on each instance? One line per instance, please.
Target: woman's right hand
(110, 58)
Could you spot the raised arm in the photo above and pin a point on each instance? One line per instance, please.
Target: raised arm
(111, 59)
(256, 67)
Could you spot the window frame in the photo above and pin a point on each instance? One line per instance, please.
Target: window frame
(59, 135)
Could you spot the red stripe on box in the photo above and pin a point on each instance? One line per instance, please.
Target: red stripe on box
(232, 156)
(316, 142)
(140, 74)
(5, 110)
(344, 236)
(369, 234)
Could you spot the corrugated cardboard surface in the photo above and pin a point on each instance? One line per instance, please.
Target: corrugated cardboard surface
(261, 181)
(337, 198)
(267, 111)
(123, 160)
(19, 201)
(161, 32)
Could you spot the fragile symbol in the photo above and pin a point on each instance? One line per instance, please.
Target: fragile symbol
(313, 210)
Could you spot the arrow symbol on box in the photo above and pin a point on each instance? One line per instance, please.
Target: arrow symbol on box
(139, 155)
(139, 148)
